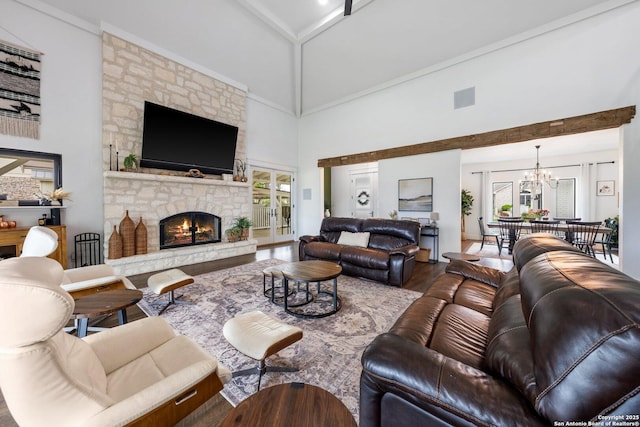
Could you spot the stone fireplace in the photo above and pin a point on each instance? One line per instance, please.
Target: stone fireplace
(189, 229)
(133, 74)
(157, 197)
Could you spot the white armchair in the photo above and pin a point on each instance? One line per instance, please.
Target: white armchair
(141, 373)
(42, 241)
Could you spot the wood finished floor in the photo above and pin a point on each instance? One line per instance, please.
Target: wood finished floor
(213, 411)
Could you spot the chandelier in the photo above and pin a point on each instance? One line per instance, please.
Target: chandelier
(535, 179)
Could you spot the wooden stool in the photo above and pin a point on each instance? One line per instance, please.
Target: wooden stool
(258, 336)
(168, 281)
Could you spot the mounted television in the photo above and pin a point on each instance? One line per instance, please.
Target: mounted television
(180, 141)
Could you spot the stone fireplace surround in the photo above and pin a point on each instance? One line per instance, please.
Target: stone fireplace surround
(154, 197)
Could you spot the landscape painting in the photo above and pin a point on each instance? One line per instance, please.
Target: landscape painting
(415, 194)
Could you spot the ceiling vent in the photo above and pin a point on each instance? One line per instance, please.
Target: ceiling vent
(464, 98)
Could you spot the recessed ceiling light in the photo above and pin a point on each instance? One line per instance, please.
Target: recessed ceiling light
(323, 2)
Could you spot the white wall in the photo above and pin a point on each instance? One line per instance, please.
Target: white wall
(583, 68)
(272, 134)
(71, 113)
(444, 168)
(71, 94)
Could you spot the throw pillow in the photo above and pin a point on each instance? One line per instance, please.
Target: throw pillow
(354, 239)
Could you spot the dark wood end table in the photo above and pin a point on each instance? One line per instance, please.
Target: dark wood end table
(459, 255)
(101, 303)
(293, 404)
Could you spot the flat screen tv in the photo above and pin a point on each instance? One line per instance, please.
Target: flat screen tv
(180, 141)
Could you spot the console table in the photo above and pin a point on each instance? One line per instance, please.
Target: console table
(434, 233)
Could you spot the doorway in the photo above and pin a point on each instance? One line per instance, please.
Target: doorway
(363, 194)
(272, 205)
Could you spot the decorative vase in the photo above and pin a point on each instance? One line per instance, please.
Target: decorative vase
(327, 213)
(141, 238)
(115, 245)
(128, 236)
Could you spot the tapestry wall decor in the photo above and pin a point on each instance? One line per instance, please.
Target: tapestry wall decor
(19, 91)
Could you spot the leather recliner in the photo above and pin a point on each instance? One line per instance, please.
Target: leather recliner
(141, 373)
(555, 339)
(388, 257)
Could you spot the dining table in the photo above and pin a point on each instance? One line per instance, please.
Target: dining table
(525, 228)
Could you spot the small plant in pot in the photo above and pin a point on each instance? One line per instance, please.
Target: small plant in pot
(233, 234)
(130, 163)
(242, 223)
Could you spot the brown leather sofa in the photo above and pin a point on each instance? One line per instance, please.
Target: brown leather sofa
(555, 340)
(389, 256)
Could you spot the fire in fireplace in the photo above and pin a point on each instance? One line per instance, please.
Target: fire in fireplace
(189, 228)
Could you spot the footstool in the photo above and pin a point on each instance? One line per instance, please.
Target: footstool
(258, 336)
(168, 281)
(274, 273)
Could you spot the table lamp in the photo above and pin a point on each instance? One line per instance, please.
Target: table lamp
(435, 216)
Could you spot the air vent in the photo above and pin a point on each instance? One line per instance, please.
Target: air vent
(464, 98)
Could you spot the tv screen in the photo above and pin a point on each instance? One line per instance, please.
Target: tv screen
(180, 141)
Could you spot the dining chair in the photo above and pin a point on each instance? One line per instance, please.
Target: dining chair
(510, 229)
(604, 239)
(583, 235)
(487, 233)
(539, 226)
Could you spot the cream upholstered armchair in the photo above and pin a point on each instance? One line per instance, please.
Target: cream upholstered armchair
(42, 241)
(140, 373)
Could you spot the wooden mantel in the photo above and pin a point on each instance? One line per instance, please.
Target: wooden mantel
(559, 127)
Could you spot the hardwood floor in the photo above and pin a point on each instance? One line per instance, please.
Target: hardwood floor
(214, 410)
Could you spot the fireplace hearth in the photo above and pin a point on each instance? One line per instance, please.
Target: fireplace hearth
(189, 229)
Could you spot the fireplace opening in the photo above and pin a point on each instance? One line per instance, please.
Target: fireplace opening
(188, 229)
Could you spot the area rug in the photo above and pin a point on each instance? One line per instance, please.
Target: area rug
(328, 355)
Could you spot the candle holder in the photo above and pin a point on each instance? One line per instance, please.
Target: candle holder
(110, 156)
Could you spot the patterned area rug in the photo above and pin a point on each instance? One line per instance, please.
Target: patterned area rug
(328, 355)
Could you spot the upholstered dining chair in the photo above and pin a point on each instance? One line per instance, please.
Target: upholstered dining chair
(487, 233)
(510, 229)
(582, 234)
(141, 373)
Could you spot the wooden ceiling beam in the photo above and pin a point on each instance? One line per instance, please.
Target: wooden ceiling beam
(567, 126)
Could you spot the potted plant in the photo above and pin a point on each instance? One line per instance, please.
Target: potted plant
(505, 210)
(466, 202)
(130, 163)
(243, 224)
(233, 234)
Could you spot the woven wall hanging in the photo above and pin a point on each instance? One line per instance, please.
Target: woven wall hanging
(19, 91)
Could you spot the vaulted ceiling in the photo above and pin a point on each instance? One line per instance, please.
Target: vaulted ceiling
(303, 55)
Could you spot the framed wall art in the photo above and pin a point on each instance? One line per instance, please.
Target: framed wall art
(606, 188)
(415, 194)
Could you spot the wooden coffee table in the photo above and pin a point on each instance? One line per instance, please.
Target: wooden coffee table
(294, 404)
(101, 303)
(306, 272)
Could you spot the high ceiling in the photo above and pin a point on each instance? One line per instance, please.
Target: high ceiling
(302, 55)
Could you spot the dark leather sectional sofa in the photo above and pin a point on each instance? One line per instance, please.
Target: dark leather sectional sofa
(390, 254)
(555, 341)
